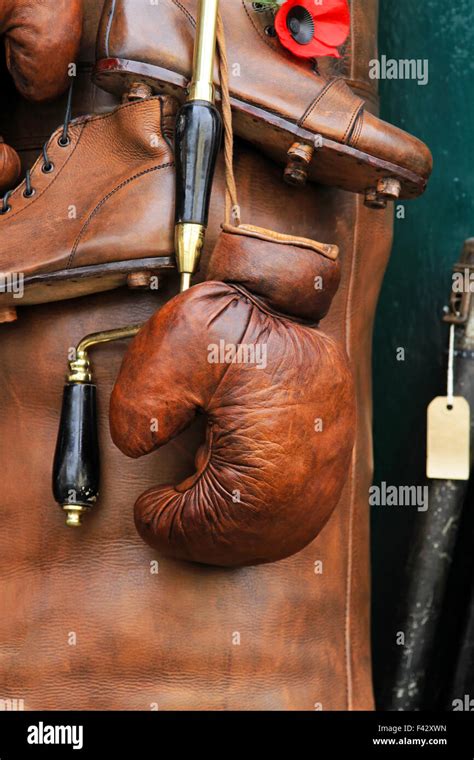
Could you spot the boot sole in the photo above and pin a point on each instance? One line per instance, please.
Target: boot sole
(332, 164)
(82, 281)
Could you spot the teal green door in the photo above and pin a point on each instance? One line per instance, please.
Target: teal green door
(427, 242)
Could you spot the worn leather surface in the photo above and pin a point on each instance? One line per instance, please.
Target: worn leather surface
(267, 478)
(111, 167)
(170, 639)
(162, 35)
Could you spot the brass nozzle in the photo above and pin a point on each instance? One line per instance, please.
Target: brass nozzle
(201, 86)
(80, 369)
(185, 282)
(74, 514)
(189, 240)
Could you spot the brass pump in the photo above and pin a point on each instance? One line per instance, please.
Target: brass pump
(76, 469)
(197, 141)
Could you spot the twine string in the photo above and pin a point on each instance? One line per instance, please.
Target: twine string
(232, 208)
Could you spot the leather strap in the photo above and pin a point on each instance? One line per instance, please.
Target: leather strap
(232, 208)
(250, 230)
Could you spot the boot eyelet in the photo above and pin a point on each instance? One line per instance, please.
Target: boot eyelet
(30, 194)
(48, 168)
(270, 31)
(4, 211)
(63, 142)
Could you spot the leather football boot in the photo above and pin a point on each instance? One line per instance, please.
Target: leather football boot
(317, 127)
(96, 211)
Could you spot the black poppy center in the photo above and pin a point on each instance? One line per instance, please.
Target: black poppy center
(300, 24)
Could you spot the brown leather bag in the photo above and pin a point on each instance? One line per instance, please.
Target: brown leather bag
(289, 635)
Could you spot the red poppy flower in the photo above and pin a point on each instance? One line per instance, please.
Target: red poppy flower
(312, 28)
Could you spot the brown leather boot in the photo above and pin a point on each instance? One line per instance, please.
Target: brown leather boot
(96, 209)
(318, 127)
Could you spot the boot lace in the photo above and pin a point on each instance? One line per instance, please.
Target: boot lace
(48, 166)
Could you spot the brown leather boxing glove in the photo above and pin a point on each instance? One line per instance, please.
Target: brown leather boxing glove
(244, 348)
(9, 166)
(41, 40)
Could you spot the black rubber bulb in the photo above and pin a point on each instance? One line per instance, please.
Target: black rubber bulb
(197, 142)
(76, 470)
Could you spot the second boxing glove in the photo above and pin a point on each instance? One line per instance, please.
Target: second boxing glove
(41, 41)
(9, 166)
(244, 348)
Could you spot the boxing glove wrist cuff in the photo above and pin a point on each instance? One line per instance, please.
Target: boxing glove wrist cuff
(295, 277)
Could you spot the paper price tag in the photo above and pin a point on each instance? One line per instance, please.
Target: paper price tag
(447, 455)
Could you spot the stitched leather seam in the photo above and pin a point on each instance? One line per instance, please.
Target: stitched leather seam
(315, 102)
(108, 30)
(357, 131)
(352, 121)
(185, 11)
(104, 200)
(361, 125)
